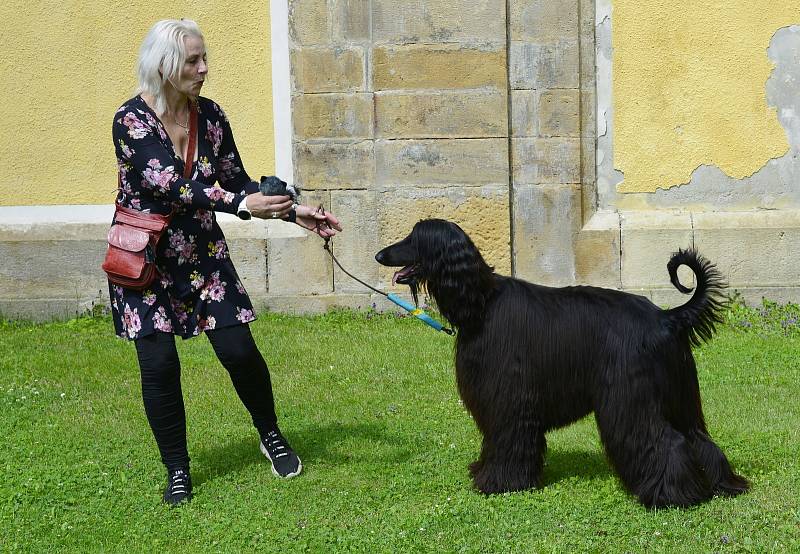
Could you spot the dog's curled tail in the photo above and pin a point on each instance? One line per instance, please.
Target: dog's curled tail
(699, 316)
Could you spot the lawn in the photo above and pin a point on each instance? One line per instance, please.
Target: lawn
(370, 404)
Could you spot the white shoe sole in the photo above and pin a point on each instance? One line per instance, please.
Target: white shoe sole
(292, 474)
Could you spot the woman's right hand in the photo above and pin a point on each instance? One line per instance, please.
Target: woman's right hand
(268, 207)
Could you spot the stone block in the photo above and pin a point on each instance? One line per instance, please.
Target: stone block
(298, 265)
(546, 160)
(442, 161)
(543, 20)
(334, 164)
(588, 114)
(545, 66)
(597, 251)
(332, 116)
(248, 244)
(66, 267)
(332, 69)
(438, 66)
(445, 115)
(751, 248)
(309, 22)
(350, 20)
(559, 113)
(546, 224)
(481, 211)
(419, 21)
(524, 113)
(356, 247)
(649, 238)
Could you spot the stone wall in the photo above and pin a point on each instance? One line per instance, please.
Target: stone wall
(495, 114)
(400, 112)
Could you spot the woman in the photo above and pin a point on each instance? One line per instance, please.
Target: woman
(198, 289)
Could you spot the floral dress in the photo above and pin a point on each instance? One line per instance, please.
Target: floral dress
(198, 287)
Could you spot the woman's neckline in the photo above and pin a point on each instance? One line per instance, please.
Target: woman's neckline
(158, 120)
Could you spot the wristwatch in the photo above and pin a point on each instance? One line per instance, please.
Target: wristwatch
(243, 212)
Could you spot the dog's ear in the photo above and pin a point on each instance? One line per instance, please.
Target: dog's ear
(457, 275)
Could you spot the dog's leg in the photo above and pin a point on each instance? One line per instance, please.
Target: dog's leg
(511, 458)
(716, 466)
(654, 460)
(687, 415)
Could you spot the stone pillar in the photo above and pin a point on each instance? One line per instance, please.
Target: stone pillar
(400, 112)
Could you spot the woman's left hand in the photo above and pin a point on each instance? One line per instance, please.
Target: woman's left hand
(318, 220)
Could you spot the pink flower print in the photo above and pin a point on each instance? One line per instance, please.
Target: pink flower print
(214, 289)
(206, 219)
(149, 297)
(127, 151)
(240, 288)
(204, 166)
(156, 124)
(216, 292)
(214, 135)
(166, 280)
(218, 249)
(186, 194)
(244, 315)
(161, 321)
(196, 280)
(180, 247)
(205, 324)
(131, 322)
(218, 193)
(136, 128)
(157, 178)
(136, 203)
(227, 168)
(118, 290)
(180, 311)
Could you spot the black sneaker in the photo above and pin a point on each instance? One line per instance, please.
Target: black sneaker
(285, 462)
(179, 487)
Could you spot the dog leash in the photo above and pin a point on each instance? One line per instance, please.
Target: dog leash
(410, 308)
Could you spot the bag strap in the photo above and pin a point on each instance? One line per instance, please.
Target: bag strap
(189, 161)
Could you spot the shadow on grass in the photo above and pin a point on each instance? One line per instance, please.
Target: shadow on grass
(332, 444)
(564, 464)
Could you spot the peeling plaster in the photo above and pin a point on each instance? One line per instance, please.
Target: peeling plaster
(776, 185)
(783, 86)
(607, 176)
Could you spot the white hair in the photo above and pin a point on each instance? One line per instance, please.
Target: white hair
(162, 55)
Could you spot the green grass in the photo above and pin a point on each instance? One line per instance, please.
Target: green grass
(370, 404)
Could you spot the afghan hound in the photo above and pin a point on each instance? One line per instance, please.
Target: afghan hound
(531, 358)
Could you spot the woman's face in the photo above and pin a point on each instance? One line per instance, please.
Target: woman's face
(195, 69)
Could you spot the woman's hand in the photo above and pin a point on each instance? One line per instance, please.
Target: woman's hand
(317, 220)
(268, 207)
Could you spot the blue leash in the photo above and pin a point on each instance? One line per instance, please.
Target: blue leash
(410, 308)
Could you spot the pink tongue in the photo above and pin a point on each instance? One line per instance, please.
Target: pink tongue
(400, 273)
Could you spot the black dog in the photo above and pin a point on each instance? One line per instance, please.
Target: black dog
(531, 358)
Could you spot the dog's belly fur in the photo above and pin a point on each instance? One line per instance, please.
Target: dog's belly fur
(570, 353)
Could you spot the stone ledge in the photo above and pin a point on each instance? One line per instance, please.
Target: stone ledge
(46, 252)
(765, 264)
(91, 222)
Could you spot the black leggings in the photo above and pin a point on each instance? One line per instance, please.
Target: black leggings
(161, 386)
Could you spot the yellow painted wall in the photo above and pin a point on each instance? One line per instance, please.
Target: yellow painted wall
(68, 65)
(689, 88)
